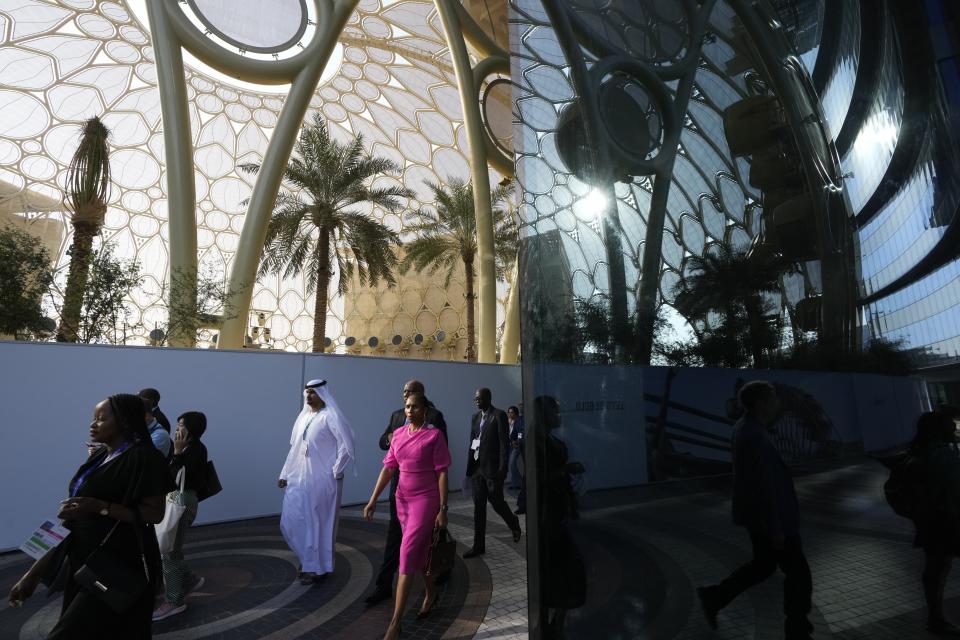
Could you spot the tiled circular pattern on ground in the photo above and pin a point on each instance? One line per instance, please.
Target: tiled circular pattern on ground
(251, 590)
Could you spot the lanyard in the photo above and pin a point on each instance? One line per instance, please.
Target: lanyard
(310, 422)
(75, 489)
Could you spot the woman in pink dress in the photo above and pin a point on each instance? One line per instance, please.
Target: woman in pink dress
(419, 452)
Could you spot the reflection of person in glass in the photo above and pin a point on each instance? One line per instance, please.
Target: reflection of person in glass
(938, 517)
(765, 503)
(563, 576)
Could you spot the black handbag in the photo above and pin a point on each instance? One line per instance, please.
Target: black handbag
(211, 485)
(443, 552)
(114, 582)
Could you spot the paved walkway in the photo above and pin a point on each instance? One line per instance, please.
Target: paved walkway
(865, 571)
(645, 557)
(251, 590)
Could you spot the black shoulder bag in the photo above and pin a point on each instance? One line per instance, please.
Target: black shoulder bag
(443, 552)
(211, 484)
(112, 581)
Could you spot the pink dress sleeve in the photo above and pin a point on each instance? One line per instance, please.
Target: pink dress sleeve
(441, 454)
(390, 460)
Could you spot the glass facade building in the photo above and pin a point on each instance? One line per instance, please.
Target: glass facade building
(879, 139)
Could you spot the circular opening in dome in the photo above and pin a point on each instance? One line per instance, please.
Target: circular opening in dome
(264, 26)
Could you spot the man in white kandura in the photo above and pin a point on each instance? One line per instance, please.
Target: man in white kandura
(321, 447)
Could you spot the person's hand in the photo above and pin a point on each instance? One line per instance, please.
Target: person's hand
(282, 483)
(369, 509)
(442, 520)
(22, 590)
(180, 440)
(779, 542)
(515, 444)
(78, 508)
(338, 476)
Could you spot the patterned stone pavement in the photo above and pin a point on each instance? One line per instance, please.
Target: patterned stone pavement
(646, 549)
(866, 574)
(251, 588)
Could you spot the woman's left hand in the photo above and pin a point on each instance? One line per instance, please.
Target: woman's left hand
(76, 508)
(442, 520)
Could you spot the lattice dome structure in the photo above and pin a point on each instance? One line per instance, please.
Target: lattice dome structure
(389, 80)
(710, 199)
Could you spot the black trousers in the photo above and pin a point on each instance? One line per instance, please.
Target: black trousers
(936, 568)
(797, 583)
(489, 490)
(391, 552)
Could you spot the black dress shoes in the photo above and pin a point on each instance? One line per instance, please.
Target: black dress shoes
(473, 553)
(379, 595)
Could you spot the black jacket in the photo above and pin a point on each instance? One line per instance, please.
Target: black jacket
(399, 418)
(494, 452)
(161, 418)
(763, 493)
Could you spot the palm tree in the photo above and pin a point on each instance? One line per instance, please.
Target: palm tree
(732, 283)
(447, 236)
(88, 188)
(318, 222)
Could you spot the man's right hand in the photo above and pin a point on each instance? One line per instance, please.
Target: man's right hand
(282, 483)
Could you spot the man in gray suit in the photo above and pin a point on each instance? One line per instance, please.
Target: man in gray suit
(487, 469)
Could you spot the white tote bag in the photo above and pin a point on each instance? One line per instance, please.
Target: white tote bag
(175, 507)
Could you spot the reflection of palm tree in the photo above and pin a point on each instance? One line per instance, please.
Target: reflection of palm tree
(304, 235)
(447, 237)
(88, 187)
(732, 283)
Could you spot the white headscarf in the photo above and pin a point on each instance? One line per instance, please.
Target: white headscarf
(338, 421)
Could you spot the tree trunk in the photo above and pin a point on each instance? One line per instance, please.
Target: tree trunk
(471, 320)
(731, 339)
(756, 347)
(81, 252)
(323, 284)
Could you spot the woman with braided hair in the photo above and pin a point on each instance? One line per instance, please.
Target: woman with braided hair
(115, 498)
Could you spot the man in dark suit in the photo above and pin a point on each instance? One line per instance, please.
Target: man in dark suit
(765, 502)
(391, 553)
(152, 396)
(487, 469)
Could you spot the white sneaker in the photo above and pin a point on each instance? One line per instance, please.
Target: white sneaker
(167, 610)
